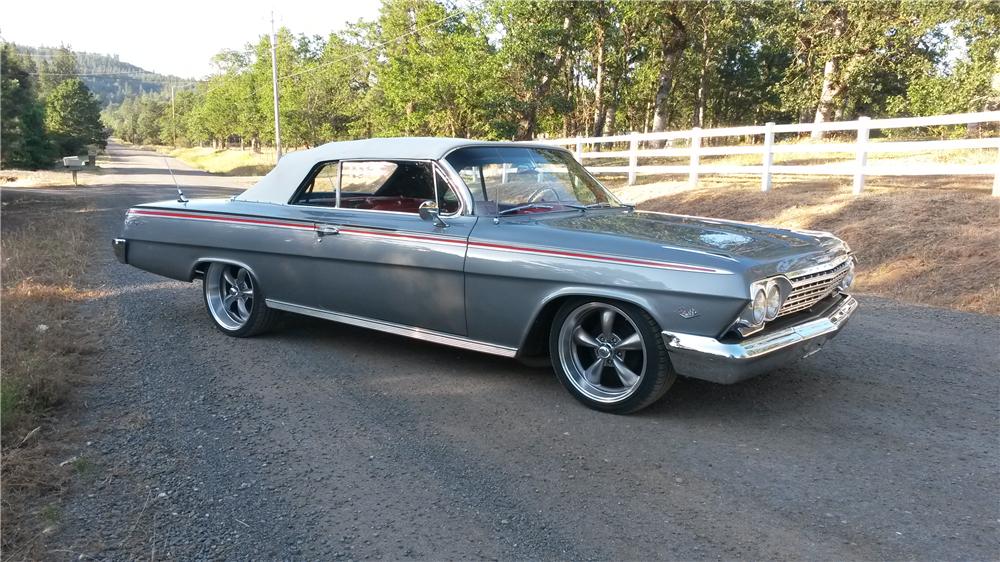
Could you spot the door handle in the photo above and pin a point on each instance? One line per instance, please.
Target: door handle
(326, 230)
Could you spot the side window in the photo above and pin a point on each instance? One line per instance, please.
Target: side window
(399, 186)
(322, 188)
(365, 178)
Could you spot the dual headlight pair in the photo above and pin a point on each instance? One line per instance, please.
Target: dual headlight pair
(768, 296)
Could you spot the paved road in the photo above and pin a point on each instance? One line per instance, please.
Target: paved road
(324, 441)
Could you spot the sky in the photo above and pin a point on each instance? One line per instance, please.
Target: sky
(177, 37)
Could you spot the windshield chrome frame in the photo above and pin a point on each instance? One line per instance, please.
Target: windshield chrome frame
(457, 179)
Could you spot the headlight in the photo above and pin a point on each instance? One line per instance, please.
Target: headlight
(766, 298)
(759, 307)
(773, 301)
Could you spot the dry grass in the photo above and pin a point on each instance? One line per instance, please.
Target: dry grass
(227, 162)
(41, 344)
(48, 178)
(932, 241)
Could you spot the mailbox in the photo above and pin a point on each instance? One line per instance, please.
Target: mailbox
(74, 164)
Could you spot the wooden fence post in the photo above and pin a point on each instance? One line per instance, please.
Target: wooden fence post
(695, 146)
(861, 158)
(996, 177)
(633, 157)
(579, 151)
(765, 176)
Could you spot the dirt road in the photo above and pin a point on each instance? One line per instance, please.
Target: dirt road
(323, 441)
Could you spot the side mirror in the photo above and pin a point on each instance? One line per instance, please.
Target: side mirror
(429, 212)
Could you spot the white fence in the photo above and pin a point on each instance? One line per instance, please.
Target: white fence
(767, 148)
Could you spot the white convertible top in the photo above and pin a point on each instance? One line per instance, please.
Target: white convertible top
(277, 186)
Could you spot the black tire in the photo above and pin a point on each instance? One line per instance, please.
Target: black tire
(588, 384)
(227, 319)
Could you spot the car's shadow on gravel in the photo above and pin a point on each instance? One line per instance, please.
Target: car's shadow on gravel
(791, 390)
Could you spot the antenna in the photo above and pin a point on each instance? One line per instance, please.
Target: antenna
(180, 194)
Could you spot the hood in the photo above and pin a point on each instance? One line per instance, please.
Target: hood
(751, 244)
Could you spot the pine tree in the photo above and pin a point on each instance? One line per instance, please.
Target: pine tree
(24, 142)
(73, 117)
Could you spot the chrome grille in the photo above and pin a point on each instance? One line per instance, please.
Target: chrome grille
(814, 286)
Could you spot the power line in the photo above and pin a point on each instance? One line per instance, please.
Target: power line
(121, 73)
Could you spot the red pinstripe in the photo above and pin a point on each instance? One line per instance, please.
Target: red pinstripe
(434, 239)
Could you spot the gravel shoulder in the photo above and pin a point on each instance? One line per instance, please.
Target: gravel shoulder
(325, 441)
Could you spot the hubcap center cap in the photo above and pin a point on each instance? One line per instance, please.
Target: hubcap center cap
(604, 351)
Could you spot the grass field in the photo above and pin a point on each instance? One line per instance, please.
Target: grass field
(226, 162)
(44, 250)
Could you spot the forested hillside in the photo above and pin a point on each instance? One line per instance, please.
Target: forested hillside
(110, 79)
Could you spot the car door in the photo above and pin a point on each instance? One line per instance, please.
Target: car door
(375, 258)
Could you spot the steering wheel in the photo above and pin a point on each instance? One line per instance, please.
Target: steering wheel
(537, 194)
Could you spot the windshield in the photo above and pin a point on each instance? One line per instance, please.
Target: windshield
(516, 180)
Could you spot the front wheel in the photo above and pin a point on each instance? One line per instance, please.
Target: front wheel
(235, 302)
(610, 355)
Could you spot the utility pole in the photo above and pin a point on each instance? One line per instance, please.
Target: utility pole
(274, 81)
(173, 118)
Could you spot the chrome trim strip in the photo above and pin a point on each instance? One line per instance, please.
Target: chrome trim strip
(398, 329)
(209, 216)
(579, 255)
(832, 264)
(754, 348)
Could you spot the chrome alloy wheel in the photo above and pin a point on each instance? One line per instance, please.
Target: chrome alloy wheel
(230, 295)
(602, 352)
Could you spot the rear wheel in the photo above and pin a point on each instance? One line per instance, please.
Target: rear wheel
(234, 301)
(609, 355)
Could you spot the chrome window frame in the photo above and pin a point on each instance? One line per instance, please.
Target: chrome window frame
(464, 199)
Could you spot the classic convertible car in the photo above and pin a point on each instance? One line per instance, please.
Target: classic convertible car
(504, 248)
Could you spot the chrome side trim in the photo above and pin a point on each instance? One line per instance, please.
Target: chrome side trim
(753, 348)
(393, 328)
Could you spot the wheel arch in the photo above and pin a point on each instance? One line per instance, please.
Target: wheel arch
(201, 265)
(534, 341)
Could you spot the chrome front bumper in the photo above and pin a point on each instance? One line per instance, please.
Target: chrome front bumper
(707, 358)
(120, 246)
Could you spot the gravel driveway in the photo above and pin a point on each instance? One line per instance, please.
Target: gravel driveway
(323, 441)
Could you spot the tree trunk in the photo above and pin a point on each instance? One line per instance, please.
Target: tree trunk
(529, 117)
(599, 82)
(833, 85)
(674, 41)
(706, 57)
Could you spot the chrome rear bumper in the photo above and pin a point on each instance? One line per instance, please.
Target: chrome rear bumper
(120, 246)
(707, 358)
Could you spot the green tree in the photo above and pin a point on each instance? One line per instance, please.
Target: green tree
(538, 37)
(59, 68)
(73, 117)
(23, 141)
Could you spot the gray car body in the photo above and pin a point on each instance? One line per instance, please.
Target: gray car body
(481, 282)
